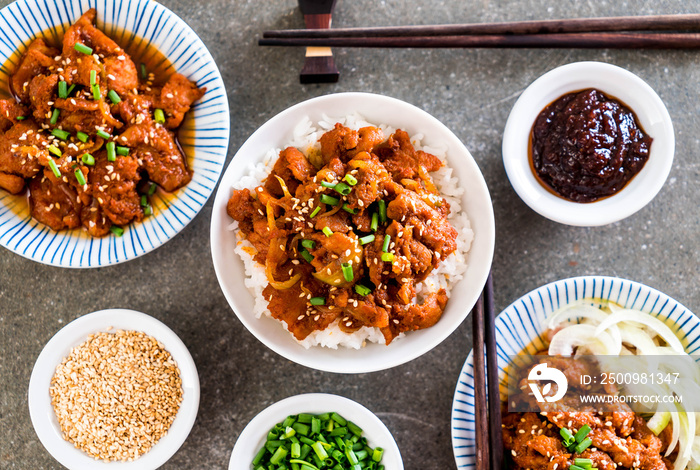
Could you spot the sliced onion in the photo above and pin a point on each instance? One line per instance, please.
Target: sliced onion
(565, 340)
(654, 323)
(659, 421)
(279, 285)
(639, 339)
(676, 431)
(285, 190)
(270, 216)
(578, 311)
(695, 453)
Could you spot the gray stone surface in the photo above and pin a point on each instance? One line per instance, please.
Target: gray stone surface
(472, 92)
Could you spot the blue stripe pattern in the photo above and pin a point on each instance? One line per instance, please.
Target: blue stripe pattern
(520, 326)
(24, 20)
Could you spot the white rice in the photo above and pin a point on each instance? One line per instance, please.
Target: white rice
(449, 271)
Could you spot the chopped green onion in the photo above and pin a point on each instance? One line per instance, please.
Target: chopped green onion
(317, 301)
(147, 210)
(60, 133)
(375, 222)
(342, 188)
(583, 432)
(388, 257)
(159, 116)
(296, 450)
(54, 168)
(96, 93)
(151, 187)
(83, 48)
(367, 239)
(583, 462)
(70, 89)
(114, 97)
(82, 136)
(93, 77)
(103, 134)
(62, 90)
(279, 454)
(55, 150)
(54, 116)
(308, 244)
(349, 210)
(118, 231)
(382, 210)
(144, 200)
(351, 180)
(583, 445)
(307, 256)
(326, 184)
(123, 151)
(385, 244)
(330, 200)
(315, 212)
(88, 159)
(144, 72)
(111, 152)
(568, 436)
(347, 272)
(327, 231)
(377, 454)
(80, 177)
(21, 118)
(576, 467)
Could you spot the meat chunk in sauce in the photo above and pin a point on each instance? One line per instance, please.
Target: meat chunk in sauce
(49, 138)
(315, 225)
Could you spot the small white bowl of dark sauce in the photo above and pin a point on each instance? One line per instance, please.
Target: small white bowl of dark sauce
(616, 83)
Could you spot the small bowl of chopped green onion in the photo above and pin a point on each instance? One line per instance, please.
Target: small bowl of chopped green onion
(314, 431)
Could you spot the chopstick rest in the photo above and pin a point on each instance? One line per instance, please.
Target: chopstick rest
(319, 66)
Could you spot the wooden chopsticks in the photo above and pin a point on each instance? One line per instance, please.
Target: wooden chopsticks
(487, 409)
(611, 32)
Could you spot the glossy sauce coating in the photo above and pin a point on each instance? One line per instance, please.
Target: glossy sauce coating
(586, 146)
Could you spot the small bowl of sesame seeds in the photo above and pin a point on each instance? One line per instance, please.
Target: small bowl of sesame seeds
(114, 389)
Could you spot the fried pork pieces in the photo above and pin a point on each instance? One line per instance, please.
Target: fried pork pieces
(29, 142)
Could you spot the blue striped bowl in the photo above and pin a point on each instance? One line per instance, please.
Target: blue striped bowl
(520, 327)
(204, 134)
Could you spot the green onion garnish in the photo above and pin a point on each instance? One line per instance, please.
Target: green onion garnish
(367, 239)
(349, 210)
(88, 159)
(306, 255)
(80, 177)
(315, 212)
(583, 432)
(308, 244)
(342, 188)
(583, 445)
(147, 210)
(123, 151)
(385, 244)
(62, 90)
(54, 168)
(103, 134)
(351, 180)
(96, 93)
(55, 150)
(327, 231)
(375, 222)
(583, 462)
(83, 48)
(388, 257)
(54, 116)
(144, 200)
(330, 200)
(60, 133)
(568, 436)
(317, 301)
(326, 184)
(377, 454)
(144, 72)
(347, 272)
(82, 136)
(159, 116)
(93, 77)
(118, 231)
(111, 152)
(21, 118)
(151, 187)
(382, 210)
(576, 467)
(114, 97)
(70, 90)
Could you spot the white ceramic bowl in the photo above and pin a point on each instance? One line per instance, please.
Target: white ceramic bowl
(254, 435)
(618, 83)
(376, 109)
(75, 333)
(521, 325)
(206, 131)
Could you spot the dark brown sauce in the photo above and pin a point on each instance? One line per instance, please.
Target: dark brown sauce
(586, 145)
(141, 52)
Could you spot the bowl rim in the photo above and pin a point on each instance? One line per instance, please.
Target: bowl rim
(74, 333)
(25, 236)
(255, 431)
(614, 81)
(333, 360)
(522, 316)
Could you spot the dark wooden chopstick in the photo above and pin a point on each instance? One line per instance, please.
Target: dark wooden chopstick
(495, 433)
(688, 22)
(481, 429)
(614, 40)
